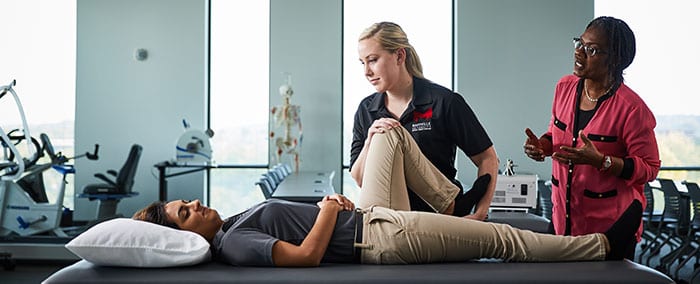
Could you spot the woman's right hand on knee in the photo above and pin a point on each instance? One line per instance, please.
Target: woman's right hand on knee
(381, 125)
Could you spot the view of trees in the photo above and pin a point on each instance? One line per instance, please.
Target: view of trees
(678, 137)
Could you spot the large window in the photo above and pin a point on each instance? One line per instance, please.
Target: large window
(38, 51)
(239, 100)
(428, 25)
(664, 74)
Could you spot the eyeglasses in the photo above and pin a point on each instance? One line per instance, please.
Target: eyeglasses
(589, 50)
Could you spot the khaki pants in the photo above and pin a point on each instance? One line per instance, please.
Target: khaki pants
(394, 161)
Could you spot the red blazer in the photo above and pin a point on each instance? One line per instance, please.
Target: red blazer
(623, 127)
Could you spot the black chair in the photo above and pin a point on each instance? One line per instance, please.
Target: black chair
(272, 178)
(282, 169)
(691, 245)
(654, 226)
(265, 187)
(111, 191)
(650, 218)
(694, 276)
(287, 168)
(277, 175)
(674, 223)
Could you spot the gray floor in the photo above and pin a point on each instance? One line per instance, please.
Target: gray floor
(36, 272)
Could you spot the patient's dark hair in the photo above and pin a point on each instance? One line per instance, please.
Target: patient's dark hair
(155, 213)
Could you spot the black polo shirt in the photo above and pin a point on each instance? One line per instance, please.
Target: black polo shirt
(439, 121)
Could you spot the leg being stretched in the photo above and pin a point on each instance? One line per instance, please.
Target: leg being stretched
(394, 164)
(383, 182)
(419, 237)
(400, 237)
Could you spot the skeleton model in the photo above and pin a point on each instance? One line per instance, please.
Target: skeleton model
(510, 171)
(288, 117)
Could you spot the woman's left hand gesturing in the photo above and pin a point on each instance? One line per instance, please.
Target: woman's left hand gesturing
(587, 154)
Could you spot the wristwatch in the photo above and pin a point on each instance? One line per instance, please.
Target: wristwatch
(607, 163)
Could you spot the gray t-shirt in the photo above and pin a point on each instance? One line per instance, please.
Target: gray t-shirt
(247, 238)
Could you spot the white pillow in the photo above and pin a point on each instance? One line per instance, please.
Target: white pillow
(128, 242)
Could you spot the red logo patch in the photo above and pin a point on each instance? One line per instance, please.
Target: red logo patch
(428, 114)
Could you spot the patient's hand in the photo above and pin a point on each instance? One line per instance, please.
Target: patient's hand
(342, 201)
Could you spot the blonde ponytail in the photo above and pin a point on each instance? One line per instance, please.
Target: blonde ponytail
(392, 38)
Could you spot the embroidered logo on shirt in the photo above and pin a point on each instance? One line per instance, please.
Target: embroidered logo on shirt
(428, 114)
(421, 126)
(424, 118)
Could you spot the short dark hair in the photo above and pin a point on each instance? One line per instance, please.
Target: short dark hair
(621, 44)
(155, 213)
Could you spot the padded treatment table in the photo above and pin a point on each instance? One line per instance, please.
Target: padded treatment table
(484, 271)
(520, 219)
(481, 271)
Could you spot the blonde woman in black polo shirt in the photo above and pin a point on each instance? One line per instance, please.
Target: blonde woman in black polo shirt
(438, 119)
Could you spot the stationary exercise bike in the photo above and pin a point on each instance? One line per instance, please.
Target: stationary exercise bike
(26, 209)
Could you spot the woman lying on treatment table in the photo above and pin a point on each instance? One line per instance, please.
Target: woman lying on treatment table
(281, 233)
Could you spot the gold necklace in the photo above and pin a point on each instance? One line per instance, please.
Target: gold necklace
(589, 98)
